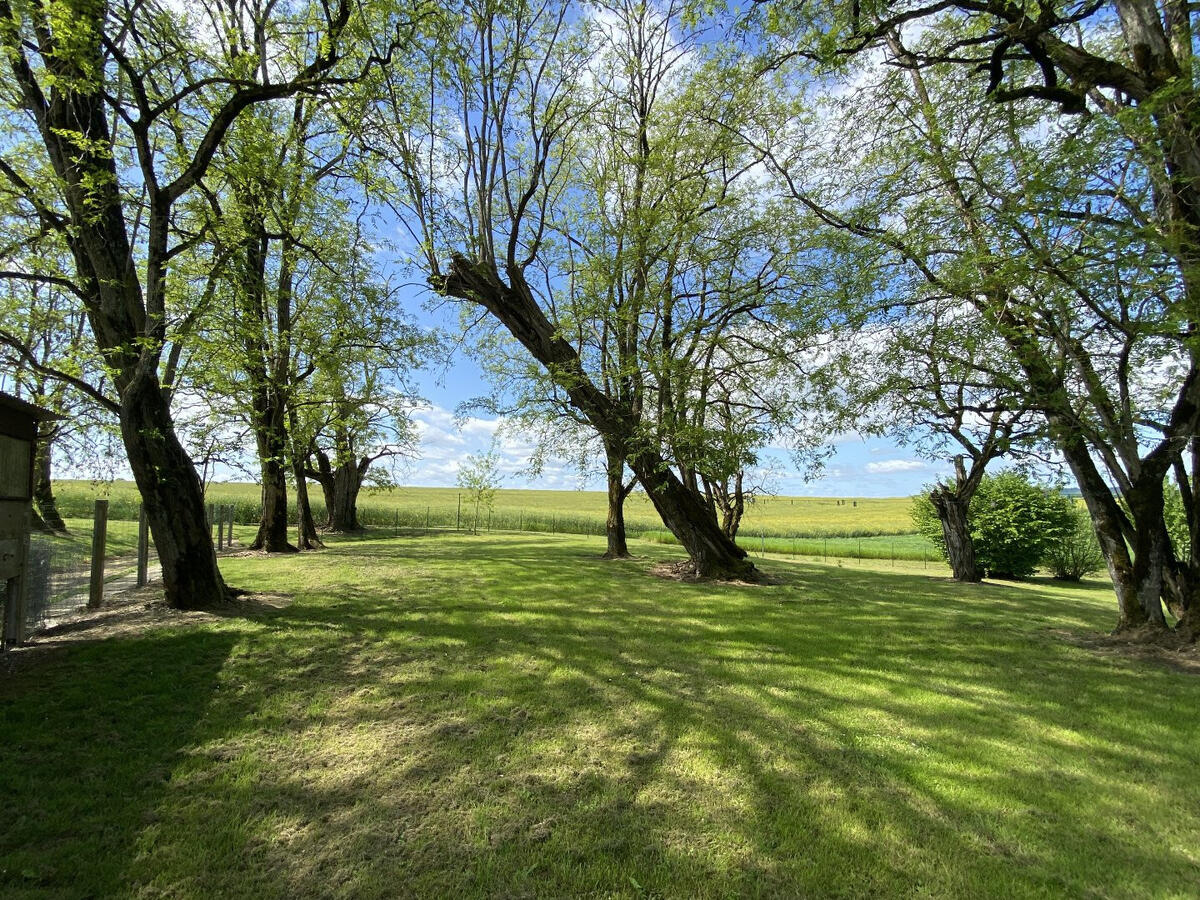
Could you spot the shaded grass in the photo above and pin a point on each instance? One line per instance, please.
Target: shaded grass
(510, 716)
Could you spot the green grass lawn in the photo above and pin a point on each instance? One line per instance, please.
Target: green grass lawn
(511, 716)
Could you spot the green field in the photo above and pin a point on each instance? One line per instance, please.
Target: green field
(508, 715)
(564, 511)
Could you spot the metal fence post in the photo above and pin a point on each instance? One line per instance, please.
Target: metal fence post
(99, 545)
(143, 548)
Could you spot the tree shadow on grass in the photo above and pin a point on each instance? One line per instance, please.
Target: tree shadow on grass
(514, 717)
(533, 722)
(92, 733)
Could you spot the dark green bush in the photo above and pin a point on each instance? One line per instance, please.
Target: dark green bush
(1014, 522)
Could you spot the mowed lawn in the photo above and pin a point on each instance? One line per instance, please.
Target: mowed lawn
(510, 716)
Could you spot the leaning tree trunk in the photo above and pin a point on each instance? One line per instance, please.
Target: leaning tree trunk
(951, 511)
(43, 487)
(129, 326)
(615, 526)
(1107, 521)
(684, 512)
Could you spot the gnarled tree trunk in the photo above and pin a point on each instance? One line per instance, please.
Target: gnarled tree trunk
(341, 485)
(951, 509)
(171, 492)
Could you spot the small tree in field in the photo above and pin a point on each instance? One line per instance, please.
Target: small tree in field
(479, 476)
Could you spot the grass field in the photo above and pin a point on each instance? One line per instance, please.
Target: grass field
(507, 715)
(550, 510)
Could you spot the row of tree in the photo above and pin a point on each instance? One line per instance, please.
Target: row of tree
(678, 233)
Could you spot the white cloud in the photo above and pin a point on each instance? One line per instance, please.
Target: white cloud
(891, 466)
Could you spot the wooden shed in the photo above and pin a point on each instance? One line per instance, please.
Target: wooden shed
(18, 446)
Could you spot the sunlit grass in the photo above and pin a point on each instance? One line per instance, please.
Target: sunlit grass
(511, 716)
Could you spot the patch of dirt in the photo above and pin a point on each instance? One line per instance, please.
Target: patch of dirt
(130, 613)
(1168, 648)
(682, 571)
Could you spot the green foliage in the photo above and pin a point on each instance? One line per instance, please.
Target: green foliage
(1013, 521)
(1176, 519)
(925, 517)
(1077, 552)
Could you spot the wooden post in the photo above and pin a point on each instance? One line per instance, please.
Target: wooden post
(99, 546)
(230, 510)
(220, 527)
(143, 550)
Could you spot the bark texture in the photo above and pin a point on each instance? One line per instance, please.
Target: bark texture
(341, 485)
(951, 509)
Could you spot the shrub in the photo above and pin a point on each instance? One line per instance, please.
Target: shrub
(1077, 553)
(1013, 522)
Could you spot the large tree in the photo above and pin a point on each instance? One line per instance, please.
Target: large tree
(126, 105)
(1071, 236)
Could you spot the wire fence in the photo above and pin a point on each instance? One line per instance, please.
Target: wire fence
(59, 573)
(67, 573)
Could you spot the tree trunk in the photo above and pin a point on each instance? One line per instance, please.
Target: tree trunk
(323, 475)
(343, 508)
(43, 487)
(730, 502)
(951, 511)
(615, 527)
(711, 552)
(1108, 522)
(307, 537)
(273, 526)
(174, 500)
(1152, 556)
(272, 451)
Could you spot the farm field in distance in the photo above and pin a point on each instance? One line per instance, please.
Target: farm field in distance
(507, 714)
(770, 516)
